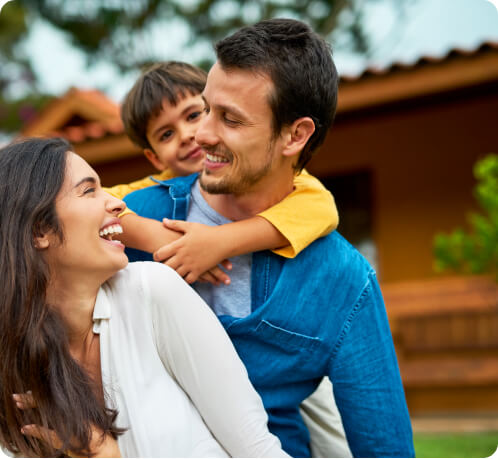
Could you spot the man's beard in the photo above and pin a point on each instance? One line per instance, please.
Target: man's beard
(234, 185)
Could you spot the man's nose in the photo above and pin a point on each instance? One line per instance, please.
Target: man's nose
(206, 131)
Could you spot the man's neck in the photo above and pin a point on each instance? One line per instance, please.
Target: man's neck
(259, 198)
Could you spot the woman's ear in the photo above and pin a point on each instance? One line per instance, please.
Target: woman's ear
(42, 242)
(298, 133)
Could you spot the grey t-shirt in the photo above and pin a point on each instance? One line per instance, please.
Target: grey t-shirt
(234, 299)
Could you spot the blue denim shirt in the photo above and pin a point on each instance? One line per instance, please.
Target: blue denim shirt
(318, 314)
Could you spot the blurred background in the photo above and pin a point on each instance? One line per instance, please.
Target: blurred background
(411, 159)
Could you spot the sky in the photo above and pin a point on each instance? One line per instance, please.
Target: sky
(430, 27)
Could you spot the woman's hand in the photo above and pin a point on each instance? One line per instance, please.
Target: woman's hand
(100, 445)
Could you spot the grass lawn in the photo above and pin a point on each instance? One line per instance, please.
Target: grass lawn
(456, 445)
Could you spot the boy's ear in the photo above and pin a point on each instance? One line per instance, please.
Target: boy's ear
(154, 159)
(297, 134)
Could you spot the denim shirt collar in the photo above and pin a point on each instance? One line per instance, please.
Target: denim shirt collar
(179, 190)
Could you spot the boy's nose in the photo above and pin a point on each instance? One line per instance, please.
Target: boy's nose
(187, 132)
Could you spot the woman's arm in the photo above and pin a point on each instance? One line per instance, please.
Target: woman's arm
(198, 353)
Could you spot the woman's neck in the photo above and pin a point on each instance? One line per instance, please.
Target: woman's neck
(74, 299)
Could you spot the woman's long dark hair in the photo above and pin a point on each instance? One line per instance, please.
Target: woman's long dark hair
(34, 349)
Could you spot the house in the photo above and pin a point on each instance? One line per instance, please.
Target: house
(399, 158)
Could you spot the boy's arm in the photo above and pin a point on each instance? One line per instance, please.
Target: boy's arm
(202, 247)
(306, 214)
(145, 234)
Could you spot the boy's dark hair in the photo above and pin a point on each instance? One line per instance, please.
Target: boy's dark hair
(299, 63)
(165, 80)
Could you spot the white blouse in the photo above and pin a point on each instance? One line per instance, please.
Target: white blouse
(172, 372)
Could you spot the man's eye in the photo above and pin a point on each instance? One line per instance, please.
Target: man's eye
(229, 120)
(205, 109)
(193, 116)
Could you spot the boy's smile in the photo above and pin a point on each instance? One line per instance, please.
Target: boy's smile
(171, 134)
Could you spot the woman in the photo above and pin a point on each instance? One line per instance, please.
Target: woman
(108, 351)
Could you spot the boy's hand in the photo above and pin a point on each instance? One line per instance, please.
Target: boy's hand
(197, 254)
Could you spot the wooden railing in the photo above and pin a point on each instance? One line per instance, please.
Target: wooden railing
(446, 337)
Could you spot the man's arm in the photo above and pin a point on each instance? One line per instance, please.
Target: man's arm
(367, 383)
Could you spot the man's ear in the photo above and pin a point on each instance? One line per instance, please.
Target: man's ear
(154, 159)
(297, 134)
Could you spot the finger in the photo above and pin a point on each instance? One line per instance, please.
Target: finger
(221, 275)
(182, 271)
(47, 435)
(176, 225)
(190, 278)
(208, 277)
(24, 401)
(227, 264)
(173, 263)
(166, 251)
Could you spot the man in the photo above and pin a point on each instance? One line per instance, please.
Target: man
(270, 99)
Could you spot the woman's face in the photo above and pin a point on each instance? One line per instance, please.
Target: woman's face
(90, 227)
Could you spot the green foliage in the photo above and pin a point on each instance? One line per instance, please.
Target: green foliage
(14, 114)
(481, 444)
(474, 251)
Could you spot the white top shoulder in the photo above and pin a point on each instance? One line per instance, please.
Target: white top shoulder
(172, 372)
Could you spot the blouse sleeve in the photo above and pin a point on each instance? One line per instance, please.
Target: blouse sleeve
(198, 353)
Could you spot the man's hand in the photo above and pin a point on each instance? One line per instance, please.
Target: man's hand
(197, 254)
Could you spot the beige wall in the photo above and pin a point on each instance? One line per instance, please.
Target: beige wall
(421, 156)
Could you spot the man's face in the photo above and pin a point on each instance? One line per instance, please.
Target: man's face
(236, 132)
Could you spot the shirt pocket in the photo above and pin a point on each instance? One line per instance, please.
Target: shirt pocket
(287, 341)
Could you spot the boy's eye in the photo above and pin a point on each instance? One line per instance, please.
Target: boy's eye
(166, 135)
(194, 115)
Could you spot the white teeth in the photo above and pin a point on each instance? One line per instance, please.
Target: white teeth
(113, 229)
(216, 159)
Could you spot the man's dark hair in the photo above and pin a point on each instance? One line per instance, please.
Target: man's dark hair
(300, 64)
(165, 80)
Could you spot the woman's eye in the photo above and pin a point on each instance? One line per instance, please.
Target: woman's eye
(205, 110)
(89, 190)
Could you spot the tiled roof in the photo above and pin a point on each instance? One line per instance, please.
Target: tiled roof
(89, 131)
(78, 115)
(422, 61)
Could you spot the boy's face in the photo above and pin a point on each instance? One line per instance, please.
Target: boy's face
(171, 135)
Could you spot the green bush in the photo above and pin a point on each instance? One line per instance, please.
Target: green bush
(474, 251)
